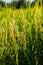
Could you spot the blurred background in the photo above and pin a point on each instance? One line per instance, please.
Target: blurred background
(19, 3)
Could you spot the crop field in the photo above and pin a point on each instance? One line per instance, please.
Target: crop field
(21, 36)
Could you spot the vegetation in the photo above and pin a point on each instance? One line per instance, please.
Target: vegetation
(21, 36)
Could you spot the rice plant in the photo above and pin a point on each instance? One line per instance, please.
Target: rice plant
(21, 36)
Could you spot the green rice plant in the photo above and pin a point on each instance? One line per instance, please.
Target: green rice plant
(21, 36)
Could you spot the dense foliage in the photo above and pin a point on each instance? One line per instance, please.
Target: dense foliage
(21, 36)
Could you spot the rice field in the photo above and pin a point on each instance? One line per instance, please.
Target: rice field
(21, 36)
